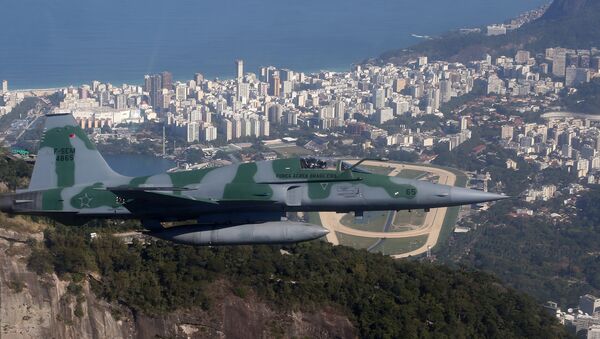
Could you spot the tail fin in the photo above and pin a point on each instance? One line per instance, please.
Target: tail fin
(66, 156)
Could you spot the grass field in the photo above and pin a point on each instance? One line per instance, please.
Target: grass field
(314, 218)
(411, 174)
(401, 245)
(290, 151)
(372, 221)
(416, 217)
(354, 241)
(377, 169)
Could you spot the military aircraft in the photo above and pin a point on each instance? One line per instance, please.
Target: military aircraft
(237, 204)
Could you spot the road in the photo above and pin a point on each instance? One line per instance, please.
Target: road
(432, 226)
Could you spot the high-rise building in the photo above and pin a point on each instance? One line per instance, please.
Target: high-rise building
(207, 117)
(120, 101)
(275, 86)
(254, 127)
(379, 98)
(576, 76)
(236, 129)
(243, 90)
(209, 133)
(199, 78)
(275, 113)
(181, 92)
(507, 132)
(399, 85)
(167, 80)
(290, 118)
(4, 86)
(239, 64)
(522, 57)
(153, 85)
(195, 116)
(446, 90)
(464, 123)
(226, 129)
(265, 127)
(286, 75)
(339, 109)
(193, 132)
(559, 63)
(384, 114)
(287, 87)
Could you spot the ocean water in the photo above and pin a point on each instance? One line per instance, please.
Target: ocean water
(50, 43)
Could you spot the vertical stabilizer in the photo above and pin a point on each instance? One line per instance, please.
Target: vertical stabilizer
(66, 156)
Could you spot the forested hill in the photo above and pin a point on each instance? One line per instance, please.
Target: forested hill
(567, 23)
(382, 298)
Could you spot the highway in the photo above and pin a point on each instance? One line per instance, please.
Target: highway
(432, 226)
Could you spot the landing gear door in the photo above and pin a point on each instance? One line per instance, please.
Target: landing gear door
(294, 196)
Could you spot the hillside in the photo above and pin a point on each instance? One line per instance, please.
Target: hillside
(567, 23)
(62, 283)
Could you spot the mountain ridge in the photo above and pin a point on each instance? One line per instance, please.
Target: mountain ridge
(566, 23)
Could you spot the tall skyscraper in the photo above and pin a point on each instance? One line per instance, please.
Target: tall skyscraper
(379, 98)
(193, 132)
(167, 80)
(199, 78)
(275, 112)
(243, 90)
(275, 86)
(226, 129)
(240, 69)
(559, 64)
(464, 123)
(4, 86)
(120, 101)
(153, 85)
(209, 133)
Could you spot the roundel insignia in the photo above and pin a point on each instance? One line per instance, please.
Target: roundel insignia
(71, 135)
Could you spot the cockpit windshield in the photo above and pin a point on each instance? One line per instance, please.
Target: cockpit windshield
(313, 163)
(317, 164)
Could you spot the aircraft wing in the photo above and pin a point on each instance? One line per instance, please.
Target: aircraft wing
(141, 200)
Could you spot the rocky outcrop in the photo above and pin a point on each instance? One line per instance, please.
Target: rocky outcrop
(33, 306)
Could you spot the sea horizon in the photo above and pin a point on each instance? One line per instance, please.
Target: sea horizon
(62, 44)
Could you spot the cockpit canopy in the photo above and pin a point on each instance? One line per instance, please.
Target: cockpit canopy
(314, 163)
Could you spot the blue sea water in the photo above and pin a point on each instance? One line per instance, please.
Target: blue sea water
(49, 43)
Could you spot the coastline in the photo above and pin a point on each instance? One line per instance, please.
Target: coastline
(414, 40)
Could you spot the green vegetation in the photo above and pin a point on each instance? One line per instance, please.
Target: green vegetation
(354, 241)
(568, 23)
(291, 151)
(372, 221)
(548, 258)
(15, 173)
(411, 174)
(382, 170)
(586, 99)
(409, 218)
(382, 297)
(400, 245)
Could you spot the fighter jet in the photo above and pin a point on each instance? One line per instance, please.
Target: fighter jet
(241, 203)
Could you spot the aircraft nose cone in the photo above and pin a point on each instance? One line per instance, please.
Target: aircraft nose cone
(465, 196)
